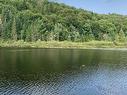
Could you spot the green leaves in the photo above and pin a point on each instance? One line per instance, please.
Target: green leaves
(33, 20)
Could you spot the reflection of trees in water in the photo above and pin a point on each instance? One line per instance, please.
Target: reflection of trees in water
(59, 60)
(48, 63)
(40, 61)
(44, 59)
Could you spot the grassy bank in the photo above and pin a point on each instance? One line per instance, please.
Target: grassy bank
(65, 44)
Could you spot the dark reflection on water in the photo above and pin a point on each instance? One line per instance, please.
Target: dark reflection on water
(63, 72)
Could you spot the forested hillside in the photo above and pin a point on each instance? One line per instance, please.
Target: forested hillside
(32, 20)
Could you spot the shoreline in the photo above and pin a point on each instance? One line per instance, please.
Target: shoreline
(63, 44)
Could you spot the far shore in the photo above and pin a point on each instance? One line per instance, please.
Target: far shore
(63, 44)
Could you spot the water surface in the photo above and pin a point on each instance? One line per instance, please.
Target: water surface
(63, 72)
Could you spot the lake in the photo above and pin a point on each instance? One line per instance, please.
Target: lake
(63, 71)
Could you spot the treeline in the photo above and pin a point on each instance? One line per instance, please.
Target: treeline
(32, 20)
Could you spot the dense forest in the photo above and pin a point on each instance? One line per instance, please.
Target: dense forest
(32, 20)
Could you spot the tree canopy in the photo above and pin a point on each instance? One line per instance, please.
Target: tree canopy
(32, 20)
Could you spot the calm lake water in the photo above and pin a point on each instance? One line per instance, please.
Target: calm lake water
(63, 72)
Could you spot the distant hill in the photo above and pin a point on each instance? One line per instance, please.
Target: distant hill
(32, 20)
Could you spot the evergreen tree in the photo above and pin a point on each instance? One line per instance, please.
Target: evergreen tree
(14, 33)
(1, 26)
(22, 35)
(122, 37)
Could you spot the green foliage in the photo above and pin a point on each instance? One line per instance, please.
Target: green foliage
(122, 37)
(43, 20)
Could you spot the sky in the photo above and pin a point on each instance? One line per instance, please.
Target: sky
(99, 6)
